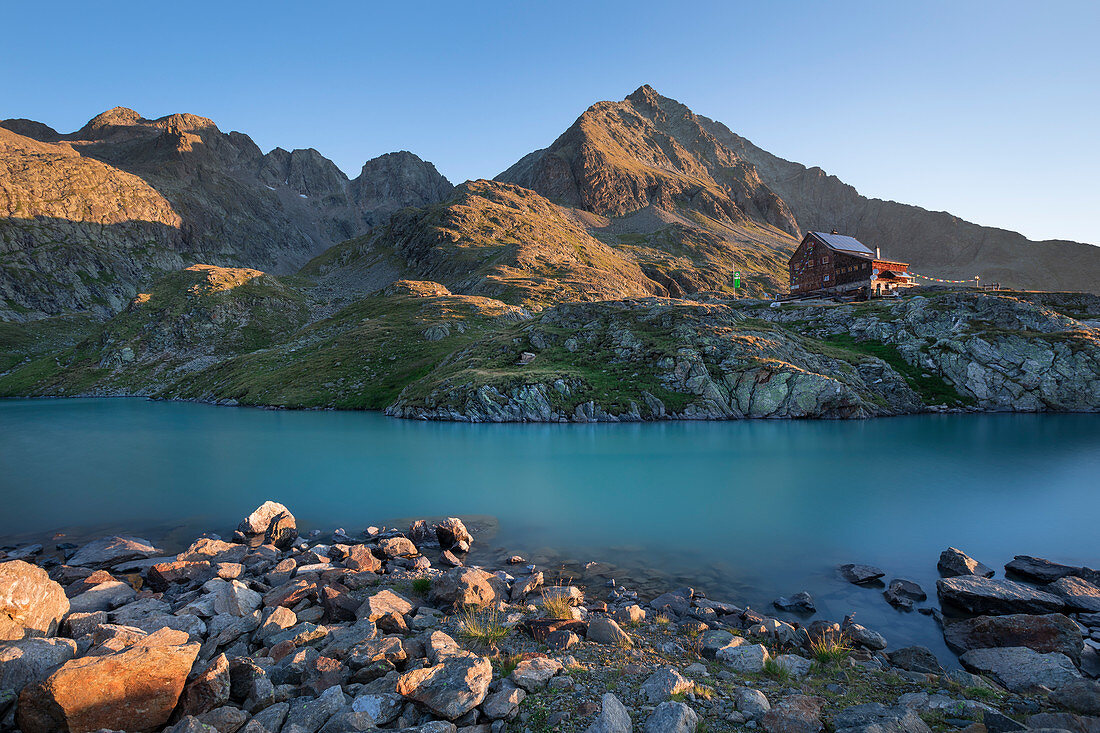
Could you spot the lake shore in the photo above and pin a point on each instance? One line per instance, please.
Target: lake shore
(271, 631)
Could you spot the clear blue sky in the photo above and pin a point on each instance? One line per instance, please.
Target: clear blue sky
(989, 110)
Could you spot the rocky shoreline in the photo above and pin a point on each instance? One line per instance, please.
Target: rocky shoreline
(271, 632)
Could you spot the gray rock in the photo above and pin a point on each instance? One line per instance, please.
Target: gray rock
(31, 604)
(916, 659)
(1080, 696)
(801, 602)
(995, 597)
(860, 574)
(191, 724)
(29, 660)
(903, 593)
(955, 562)
(795, 665)
(1051, 632)
(751, 703)
(268, 720)
(671, 717)
(877, 718)
(746, 658)
(1078, 594)
(867, 638)
(272, 520)
(533, 674)
(663, 684)
(603, 630)
(226, 719)
(613, 717)
(450, 689)
(383, 707)
(309, 714)
(795, 714)
(348, 721)
(113, 550)
(504, 703)
(102, 597)
(714, 639)
(1021, 669)
(1038, 570)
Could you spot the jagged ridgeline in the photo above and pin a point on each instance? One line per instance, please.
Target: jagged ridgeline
(592, 280)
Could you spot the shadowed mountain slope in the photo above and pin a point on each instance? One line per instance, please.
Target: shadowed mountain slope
(86, 218)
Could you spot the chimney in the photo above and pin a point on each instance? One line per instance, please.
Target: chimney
(878, 253)
(834, 231)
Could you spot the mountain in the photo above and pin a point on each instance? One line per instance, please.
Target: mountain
(490, 239)
(652, 152)
(86, 218)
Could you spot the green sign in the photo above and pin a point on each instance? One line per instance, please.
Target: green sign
(737, 280)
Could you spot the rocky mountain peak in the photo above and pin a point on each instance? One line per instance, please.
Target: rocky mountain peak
(396, 180)
(114, 117)
(31, 129)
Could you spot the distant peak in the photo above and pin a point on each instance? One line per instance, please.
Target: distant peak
(114, 117)
(645, 94)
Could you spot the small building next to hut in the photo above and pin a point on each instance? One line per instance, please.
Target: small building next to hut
(834, 264)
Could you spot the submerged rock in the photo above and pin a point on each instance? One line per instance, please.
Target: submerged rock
(860, 574)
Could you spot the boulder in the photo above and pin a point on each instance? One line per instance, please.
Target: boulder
(860, 574)
(25, 661)
(674, 603)
(393, 547)
(795, 665)
(1078, 594)
(613, 717)
(213, 550)
(1020, 669)
(1051, 632)
(307, 714)
(1080, 696)
(268, 720)
(916, 659)
(1038, 570)
(30, 603)
(746, 658)
(274, 522)
(664, 683)
(383, 707)
(233, 597)
(133, 689)
(163, 575)
(865, 637)
(452, 534)
(877, 718)
(955, 562)
(504, 703)
(795, 714)
(903, 593)
(207, 691)
(603, 630)
(978, 595)
(461, 587)
(630, 615)
(361, 559)
(113, 550)
(751, 703)
(533, 674)
(103, 597)
(382, 603)
(801, 602)
(292, 593)
(226, 719)
(671, 717)
(450, 689)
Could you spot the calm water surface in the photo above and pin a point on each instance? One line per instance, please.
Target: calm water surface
(744, 510)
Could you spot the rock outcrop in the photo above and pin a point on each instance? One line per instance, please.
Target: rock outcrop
(31, 605)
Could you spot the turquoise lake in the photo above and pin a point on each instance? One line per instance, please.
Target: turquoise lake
(745, 511)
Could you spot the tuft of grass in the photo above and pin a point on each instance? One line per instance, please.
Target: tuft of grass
(422, 586)
(662, 620)
(506, 664)
(558, 607)
(482, 625)
(776, 672)
(829, 649)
